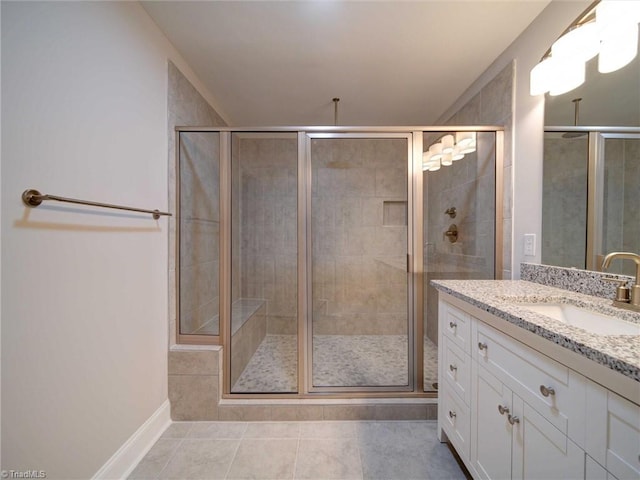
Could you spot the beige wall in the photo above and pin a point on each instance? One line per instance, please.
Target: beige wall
(85, 307)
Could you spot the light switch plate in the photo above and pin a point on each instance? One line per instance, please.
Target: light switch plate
(530, 244)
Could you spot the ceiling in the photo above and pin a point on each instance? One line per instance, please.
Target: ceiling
(389, 62)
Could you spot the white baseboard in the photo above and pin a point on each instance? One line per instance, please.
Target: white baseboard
(122, 463)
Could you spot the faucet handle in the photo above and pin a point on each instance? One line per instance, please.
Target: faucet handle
(622, 291)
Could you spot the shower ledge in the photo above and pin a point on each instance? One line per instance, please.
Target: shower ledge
(393, 262)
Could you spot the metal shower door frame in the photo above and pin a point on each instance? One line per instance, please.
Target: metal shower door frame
(306, 289)
(415, 194)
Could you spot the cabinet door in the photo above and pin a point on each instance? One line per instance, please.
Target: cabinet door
(613, 432)
(540, 450)
(455, 422)
(491, 454)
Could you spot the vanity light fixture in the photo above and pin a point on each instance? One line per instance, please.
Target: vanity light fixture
(608, 29)
(448, 149)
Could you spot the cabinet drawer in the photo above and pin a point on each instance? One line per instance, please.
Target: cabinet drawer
(540, 381)
(456, 370)
(623, 449)
(456, 422)
(456, 325)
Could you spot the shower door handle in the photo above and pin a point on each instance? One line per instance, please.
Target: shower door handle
(408, 263)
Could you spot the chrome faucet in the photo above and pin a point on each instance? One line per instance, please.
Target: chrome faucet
(634, 299)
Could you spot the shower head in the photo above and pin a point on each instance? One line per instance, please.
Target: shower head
(576, 103)
(573, 134)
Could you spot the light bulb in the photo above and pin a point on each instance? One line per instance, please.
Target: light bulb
(434, 165)
(465, 138)
(447, 144)
(435, 151)
(618, 47)
(581, 43)
(457, 154)
(426, 158)
(609, 13)
(468, 149)
(541, 76)
(447, 160)
(569, 74)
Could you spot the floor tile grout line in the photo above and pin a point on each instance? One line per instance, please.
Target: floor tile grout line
(358, 440)
(235, 454)
(175, 450)
(295, 460)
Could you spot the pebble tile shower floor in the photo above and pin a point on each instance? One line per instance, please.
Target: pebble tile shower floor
(394, 450)
(342, 360)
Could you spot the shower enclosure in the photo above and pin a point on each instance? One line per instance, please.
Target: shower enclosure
(307, 252)
(590, 201)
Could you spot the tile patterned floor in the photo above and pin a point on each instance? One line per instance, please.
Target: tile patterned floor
(339, 360)
(398, 450)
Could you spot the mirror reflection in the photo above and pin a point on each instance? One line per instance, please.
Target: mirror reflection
(591, 171)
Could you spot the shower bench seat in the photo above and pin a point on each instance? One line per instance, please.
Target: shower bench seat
(248, 329)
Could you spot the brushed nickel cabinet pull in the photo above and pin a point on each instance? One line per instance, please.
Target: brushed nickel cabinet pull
(453, 368)
(513, 419)
(452, 414)
(503, 410)
(482, 346)
(546, 391)
(452, 325)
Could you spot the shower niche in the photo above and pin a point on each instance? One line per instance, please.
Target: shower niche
(300, 252)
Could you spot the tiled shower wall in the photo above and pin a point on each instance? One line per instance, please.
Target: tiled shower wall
(359, 253)
(564, 206)
(265, 226)
(199, 232)
(564, 201)
(468, 185)
(493, 106)
(186, 107)
(193, 385)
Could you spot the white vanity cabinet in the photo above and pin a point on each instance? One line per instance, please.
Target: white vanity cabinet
(513, 412)
(455, 371)
(613, 433)
(511, 440)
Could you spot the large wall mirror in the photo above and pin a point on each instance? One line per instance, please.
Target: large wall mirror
(591, 171)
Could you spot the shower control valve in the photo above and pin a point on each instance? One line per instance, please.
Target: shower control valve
(452, 233)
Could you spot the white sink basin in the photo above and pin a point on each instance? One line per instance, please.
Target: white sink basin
(585, 319)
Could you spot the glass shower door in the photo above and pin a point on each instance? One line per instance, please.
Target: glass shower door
(618, 215)
(264, 249)
(359, 230)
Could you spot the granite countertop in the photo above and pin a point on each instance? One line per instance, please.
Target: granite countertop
(501, 297)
